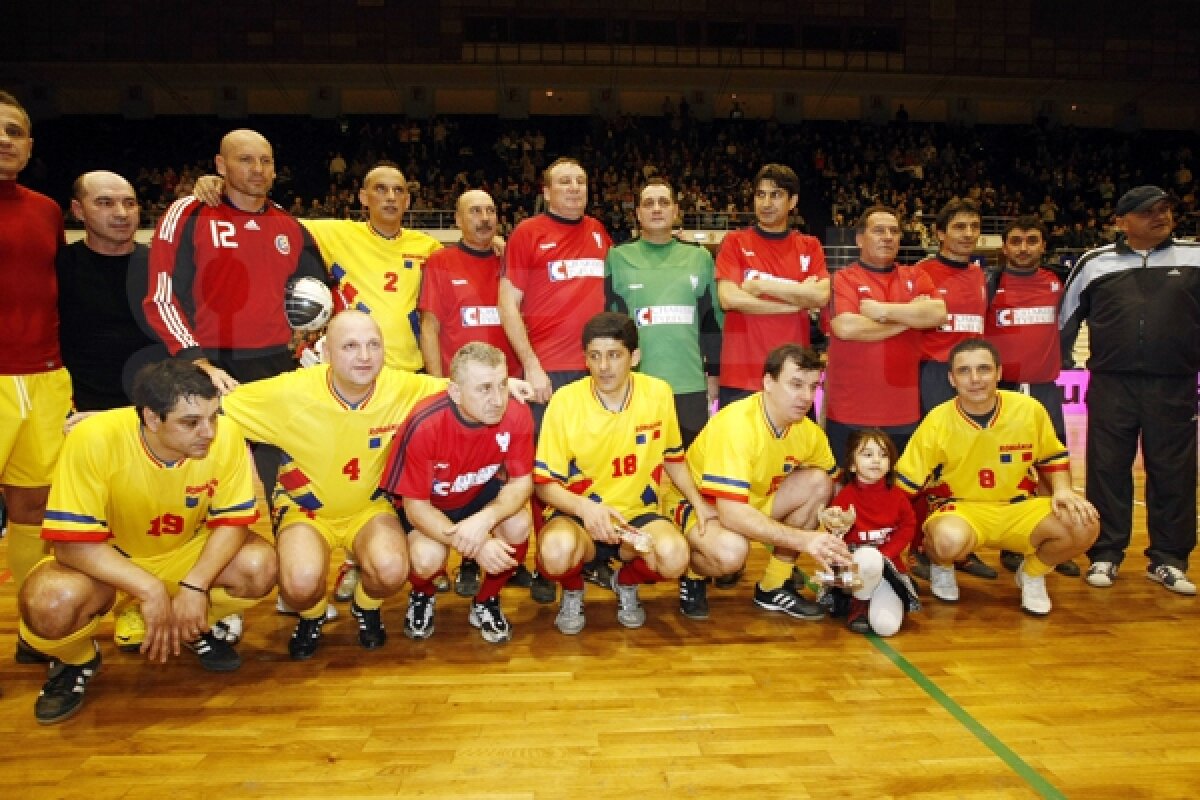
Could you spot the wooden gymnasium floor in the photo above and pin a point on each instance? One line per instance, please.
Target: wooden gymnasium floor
(973, 700)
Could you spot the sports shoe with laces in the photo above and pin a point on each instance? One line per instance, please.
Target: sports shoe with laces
(1173, 578)
(599, 572)
(729, 581)
(62, 695)
(1034, 598)
(693, 597)
(521, 578)
(305, 638)
(974, 565)
(371, 633)
(229, 628)
(28, 654)
(787, 601)
(943, 583)
(542, 589)
(347, 581)
(281, 607)
(129, 630)
(1101, 574)
(629, 610)
(467, 579)
(489, 618)
(918, 564)
(216, 655)
(856, 619)
(570, 619)
(418, 620)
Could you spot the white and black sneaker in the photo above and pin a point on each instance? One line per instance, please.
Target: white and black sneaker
(788, 602)
(229, 629)
(216, 655)
(489, 618)
(418, 620)
(1173, 578)
(305, 638)
(62, 696)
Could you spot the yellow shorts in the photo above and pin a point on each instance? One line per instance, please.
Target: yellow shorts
(336, 532)
(172, 567)
(1005, 526)
(32, 411)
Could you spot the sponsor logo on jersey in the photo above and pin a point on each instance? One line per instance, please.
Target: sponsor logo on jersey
(804, 262)
(1040, 315)
(599, 240)
(747, 253)
(648, 431)
(695, 281)
(464, 482)
(479, 316)
(251, 225)
(547, 245)
(571, 268)
(664, 315)
(757, 274)
(1022, 450)
(636, 286)
(963, 323)
(503, 440)
(458, 282)
(283, 245)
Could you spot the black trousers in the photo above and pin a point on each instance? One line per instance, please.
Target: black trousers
(1160, 411)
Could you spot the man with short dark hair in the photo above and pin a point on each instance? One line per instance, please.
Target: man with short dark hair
(150, 503)
(1141, 299)
(768, 279)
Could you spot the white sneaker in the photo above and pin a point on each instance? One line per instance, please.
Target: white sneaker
(1172, 578)
(1034, 598)
(570, 619)
(1101, 574)
(229, 629)
(943, 583)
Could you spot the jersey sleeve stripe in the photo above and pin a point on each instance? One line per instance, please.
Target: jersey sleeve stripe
(723, 481)
(717, 494)
(60, 535)
(171, 219)
(244, 506)
(907, 485)
(167, 311)
(540, 468)
(78, 519)
(222, 522)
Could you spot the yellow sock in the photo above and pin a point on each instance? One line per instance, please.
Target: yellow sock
(222, 604)
(1034, 567)
(776, 573)
(78, 648)
(25, 549)
(364, 600)
(316, 612)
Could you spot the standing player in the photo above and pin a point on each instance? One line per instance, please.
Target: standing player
(1022, 322)
(768, 278)
(978, 458)
(667, 287)
(152, 502)
(878, 312)
(101, 284)
(35, 390)
(604, 445)
(552, 284)
(765, 471)
(463, 464)
(963, 287)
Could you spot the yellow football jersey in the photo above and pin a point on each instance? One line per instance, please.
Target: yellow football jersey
(739, 455)
(614, 457)
(108, 486)
(379, 276)
(333, 453)
(952, 457)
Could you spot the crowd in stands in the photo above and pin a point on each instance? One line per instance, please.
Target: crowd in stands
(1068, 176)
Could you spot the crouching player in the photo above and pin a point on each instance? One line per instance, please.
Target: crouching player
(463, 465)
(767, 469)
(605, 442)
(152, 502)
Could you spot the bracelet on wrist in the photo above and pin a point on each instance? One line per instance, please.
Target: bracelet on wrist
(192, 586)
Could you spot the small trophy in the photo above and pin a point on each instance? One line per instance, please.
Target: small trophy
(638, 539)
(838, 521)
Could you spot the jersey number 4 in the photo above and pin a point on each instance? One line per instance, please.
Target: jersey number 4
(351, 469)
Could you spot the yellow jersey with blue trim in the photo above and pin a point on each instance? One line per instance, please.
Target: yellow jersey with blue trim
(110, 487)
(378, 276)
(333, 451)
(741, 455)
(613, 457)
(953, 456)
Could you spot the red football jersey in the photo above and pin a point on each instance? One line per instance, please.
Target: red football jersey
(1022, 322)
(963, 287)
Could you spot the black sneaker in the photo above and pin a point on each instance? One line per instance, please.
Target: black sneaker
(62, 696)
(918, 565)
(1011, 560)
(693, 597)
(856, 619)
(729, 581)
(467, 580)
(1069, 569)
(305, 638)
(521, 578)
(542, 589)
(216, 655)
(973, 565)
(787, 601)
(489, 618)
(371, 634)
(599, 572)
(418, 620)
(28, 654)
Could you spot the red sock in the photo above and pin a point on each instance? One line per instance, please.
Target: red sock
(637, 571)
(422, 585)
(571, 580)
(492, 584)
(920, 505)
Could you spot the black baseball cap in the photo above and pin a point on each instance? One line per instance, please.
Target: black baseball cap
(1139, 199)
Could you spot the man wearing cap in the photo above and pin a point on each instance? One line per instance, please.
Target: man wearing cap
(1141, 299)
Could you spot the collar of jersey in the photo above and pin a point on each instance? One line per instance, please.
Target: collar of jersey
(877, 270)
(471, 251)
(949, 262)
(766, 418)
(563, 220)
(1123, 245)
(971, 420)
(265, 206)
(343, 402)
(624, 403)
(783, 234)
(158, 462)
